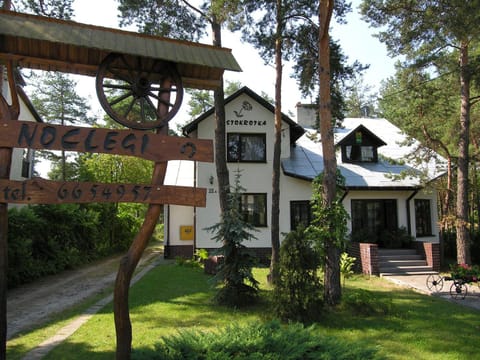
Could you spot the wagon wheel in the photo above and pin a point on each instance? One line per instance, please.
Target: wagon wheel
(434, 283)
(458, 290)
(134, 91)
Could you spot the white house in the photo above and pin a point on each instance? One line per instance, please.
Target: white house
(22, 159)
(384, 191)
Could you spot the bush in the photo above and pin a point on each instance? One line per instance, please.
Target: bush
(298, 293)
(269, 341)
(396, 239)
(390, 239)
(47, 239)
(238, 285)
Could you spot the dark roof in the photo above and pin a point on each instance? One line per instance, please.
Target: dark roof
(43, 43)
(296, 131)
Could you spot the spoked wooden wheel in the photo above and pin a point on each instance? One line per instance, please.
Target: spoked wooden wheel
(139, 93)
(434, 283)
(458, 290)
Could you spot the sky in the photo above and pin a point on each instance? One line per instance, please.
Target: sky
(356, 39)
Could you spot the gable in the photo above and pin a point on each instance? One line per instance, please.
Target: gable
(360, 145)
(361, 136)
(243, 110)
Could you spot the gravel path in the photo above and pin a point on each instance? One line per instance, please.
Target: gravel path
(34, 304)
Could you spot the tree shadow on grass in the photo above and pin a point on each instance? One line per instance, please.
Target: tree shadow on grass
(415, 325)
(73, 351)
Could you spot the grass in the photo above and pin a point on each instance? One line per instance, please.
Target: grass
(172, 298)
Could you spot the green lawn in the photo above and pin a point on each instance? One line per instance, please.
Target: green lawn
(171, 298)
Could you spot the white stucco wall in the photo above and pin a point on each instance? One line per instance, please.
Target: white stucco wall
(179, 216)
(256, 178)
(431, 195)
(17, 154)
(401, 198)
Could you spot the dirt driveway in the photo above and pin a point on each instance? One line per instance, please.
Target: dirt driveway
(33, 304)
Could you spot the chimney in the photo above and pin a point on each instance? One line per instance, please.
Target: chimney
(307, 115)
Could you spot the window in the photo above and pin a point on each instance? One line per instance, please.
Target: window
(300, 214)
(423, 219)
(357, 153)
(372, 217)
(254, 209)
(246, 147)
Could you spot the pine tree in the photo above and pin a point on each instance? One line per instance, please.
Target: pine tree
(55, 98)
(239, 287)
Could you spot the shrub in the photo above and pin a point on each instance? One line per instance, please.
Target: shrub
(298, 291)
(234, 273)
(47, 239)
(396, 239)
(260, 341)
(346, 264)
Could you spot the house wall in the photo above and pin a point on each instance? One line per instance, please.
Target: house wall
(176, 217)
(402, 214)
(18, 154)
(256, 178)
(431, 195)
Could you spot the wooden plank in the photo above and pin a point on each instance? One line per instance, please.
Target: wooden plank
(146, 145)
(42, 191)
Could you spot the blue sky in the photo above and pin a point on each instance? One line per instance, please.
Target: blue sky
(356, 39)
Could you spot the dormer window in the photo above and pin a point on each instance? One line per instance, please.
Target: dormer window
(360, 146)
(358, 153)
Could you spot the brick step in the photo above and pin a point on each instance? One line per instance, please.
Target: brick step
(416, 272)
(402, 262)
(400, 257)
(396, 252)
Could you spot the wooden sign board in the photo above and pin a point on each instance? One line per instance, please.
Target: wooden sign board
(149, 146)
(41, 191)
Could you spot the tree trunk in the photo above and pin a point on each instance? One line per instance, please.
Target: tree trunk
(223, 176)
(332, 282)
(277, 148)
(463, 240)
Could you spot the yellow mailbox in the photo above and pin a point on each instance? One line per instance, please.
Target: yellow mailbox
(186, 232)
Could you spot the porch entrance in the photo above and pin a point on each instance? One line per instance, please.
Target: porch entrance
(375, 221)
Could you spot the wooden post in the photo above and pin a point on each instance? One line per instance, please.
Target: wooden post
(7, 113)
(123, 326)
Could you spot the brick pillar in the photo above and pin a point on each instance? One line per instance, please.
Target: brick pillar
(353, 250)
(369, 259)
(432, 255)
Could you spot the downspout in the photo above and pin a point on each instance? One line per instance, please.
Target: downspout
(166, 232)
(409, 221)
(194, 209)
(344, 195)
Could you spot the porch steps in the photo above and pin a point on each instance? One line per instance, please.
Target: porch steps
(402, 262)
